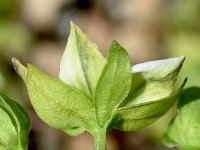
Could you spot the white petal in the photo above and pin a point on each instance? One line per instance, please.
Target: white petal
(159, 68)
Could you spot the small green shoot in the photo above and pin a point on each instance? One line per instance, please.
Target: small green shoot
(96, 94)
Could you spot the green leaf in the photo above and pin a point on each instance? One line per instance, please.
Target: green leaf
(153, 80)
(58, 104)
(184, 129)
(140, 115)
(114, 84)
(22, 71)
(15, 125)
(81, 63)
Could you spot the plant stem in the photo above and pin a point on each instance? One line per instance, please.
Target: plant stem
(99, 138)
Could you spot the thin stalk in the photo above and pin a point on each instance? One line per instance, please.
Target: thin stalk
(99, 138)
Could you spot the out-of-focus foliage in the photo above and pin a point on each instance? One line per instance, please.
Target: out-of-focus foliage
(182, 35)
(15, 39)
(183, 14)
(14, 36)
(8, 9)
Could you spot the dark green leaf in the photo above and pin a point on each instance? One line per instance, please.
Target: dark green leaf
(114, 83)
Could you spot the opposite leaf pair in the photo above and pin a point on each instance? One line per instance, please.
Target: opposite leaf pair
(96, 94)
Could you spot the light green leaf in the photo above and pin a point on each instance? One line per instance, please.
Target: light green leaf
(184, 129)
(114, 83)
(81, 63)
(8, 132)
(15, 125)
(58, 104)
(153, 80)
(140, 115)
(22, 71)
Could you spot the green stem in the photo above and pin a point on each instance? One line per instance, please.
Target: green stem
(100, 140)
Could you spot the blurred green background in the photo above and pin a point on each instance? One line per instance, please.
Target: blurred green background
(36, 31)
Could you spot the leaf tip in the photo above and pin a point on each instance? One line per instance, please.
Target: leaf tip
(19, 68)
(116, 46)
(73, 26)
(115, 42)
(181, 59)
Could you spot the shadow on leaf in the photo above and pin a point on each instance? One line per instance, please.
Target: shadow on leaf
(189, 95)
